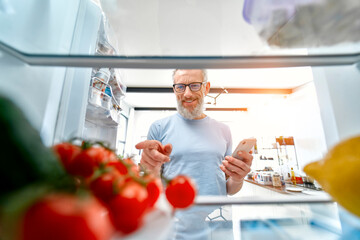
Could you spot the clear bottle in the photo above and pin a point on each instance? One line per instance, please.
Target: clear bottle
(293, 178)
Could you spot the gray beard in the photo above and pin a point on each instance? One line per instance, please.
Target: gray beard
(190, 115)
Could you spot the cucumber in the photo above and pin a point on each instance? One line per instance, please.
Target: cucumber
(24, 158)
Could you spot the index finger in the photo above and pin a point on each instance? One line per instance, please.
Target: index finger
(151, 144)
(167, 149)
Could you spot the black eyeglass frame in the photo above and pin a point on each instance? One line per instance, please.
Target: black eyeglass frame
(188, 85)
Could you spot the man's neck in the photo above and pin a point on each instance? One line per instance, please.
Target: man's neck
(203, 115)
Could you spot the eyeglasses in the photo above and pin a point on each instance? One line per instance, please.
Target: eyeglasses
(194, 87)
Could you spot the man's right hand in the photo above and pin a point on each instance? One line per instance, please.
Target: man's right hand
(154, 155)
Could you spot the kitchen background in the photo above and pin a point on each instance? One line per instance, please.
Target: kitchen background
(317, 105)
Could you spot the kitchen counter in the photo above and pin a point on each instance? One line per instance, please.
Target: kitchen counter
(287, 188)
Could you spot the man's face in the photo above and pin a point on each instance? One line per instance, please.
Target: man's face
(190, 103)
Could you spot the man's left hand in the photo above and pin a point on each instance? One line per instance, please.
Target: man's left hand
(235, 168)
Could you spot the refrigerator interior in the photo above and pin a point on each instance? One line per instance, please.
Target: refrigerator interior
(59, 101)
(51, 53)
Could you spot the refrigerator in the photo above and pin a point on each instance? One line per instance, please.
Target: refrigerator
(64, 103)
(64, 64)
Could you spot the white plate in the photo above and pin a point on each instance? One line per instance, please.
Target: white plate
(293, 189)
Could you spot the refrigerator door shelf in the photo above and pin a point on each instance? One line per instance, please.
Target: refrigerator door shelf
(99, 116)
(115, 115)
(104, 48)
(99, 98)
(101, 109)
(117, 86)
(104, 44)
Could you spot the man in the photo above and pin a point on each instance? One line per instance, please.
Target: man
(192, 143)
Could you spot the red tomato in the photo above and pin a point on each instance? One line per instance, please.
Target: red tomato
(128, 207)
(61, 216)
(107, 185)
(129, 161)
(181, 191)
(154, 188)
(85, 163)
(133, 168)
(66, 153)
(119, 166)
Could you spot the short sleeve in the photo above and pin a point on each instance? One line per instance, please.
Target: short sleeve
(154, 131)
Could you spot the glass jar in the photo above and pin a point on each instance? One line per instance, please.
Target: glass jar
(276, 180)
(100, 79)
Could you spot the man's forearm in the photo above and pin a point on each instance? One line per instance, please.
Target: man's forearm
(233, 187)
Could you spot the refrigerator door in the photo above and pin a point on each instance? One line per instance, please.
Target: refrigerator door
(55, 99)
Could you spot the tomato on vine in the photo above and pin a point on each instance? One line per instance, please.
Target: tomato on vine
(133, 168)
(119, 166)
(86, 162)
(107, 185)
(63, 216)
(154, 188)
(66, 152)
(128, 207)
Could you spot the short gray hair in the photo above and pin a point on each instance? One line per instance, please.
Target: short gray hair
(204, 73)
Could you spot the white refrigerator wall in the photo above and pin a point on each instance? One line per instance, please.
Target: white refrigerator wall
(306, 125)
(39, 26)
(338, 90)
(58, 27)
(296, 115)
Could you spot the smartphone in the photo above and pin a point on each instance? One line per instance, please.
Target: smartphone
(244, 145)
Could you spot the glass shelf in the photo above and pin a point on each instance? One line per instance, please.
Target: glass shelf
(255, 218)
(171, 62)
(231, 34)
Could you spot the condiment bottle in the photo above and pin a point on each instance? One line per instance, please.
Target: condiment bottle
(293, 178)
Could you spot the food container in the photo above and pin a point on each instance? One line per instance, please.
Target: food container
(101, 79)
(267, 179)
(276, 180)
(308, 182)
(99, 98)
